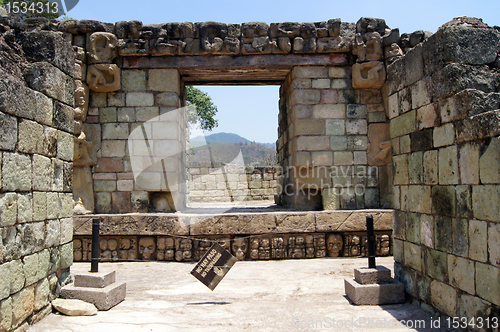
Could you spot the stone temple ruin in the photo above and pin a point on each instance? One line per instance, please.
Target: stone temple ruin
(404, 127)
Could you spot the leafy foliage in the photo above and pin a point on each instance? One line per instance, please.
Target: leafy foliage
(205, 109)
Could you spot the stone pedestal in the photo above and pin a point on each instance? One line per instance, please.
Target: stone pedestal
(374, 286)
(99, 289)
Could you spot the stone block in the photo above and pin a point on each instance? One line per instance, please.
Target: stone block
(22, 305)
(6, 314)
(116, 98)
(469, 164)
(66, 230)
(115, 131)
(103, 202)
(16, 171)
(51, 81)
(338, 84)
(360, 158)
(415, 71)
(427, 117)
(323, 83)
(65, 146)
(357, 143)
(338, 143)
(339, 72)
(486, 202)
(400, 164)
(489, 163)
(146, 114)
(139, 99)
(473, 307)
(303, 83)
(8, 209)
(393, 106)
(310, 72)
(301, 111)
(444, 298)
(430, 165)
(461, 272)
(74, 307)
(494, 244)
(448, 165)
(405, 144)
(107, 114)
(404, 100)
(329, 111)
(168, 99)
(312, 143)
(356, 127)
(398, 248)
(126, 114)
(39, 206)
(331, 199)
(413, 256)
(388, 293)
(42, 292)
(488, 282)
(427, 230)
(98, 100)
(413, 228)
(460, 237)
(415, 168)
(63, 117)
(42, 173)
(378, 275)
(357, 111)
(419, 199)
(349, 96)
(322, 158)
(308, 127)
(479, 126)
(444, 135)
(343, 158)
(113, 148)
(421, 93)
(404, 124)
(164, 80)
(24, 207)
(133, 80)
(436, 263)
(95, 280)
(8, 132)
(306, 97)
(444, 200)
(103, 298)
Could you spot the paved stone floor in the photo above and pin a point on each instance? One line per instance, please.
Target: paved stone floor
(288, 295)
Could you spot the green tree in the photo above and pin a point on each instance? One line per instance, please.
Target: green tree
(205, 109)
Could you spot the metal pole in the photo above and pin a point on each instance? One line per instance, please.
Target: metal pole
(94, 262)
(371, 242)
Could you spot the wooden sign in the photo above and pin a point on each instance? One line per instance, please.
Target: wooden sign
(213, 266)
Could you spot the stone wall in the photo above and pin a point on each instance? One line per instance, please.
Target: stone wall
(443, 101)
(36, 154)
(229, 183)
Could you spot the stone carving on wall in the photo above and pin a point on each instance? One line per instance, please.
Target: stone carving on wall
(334, 244)
(147, 248)
(369, 71)
(129, 41)
(81, 105)
(104, 77)
(183, 249)
(379, 144)
(352, 245)
(102, 47)
(368, 75)
(165, 249)
(83, 191)
(392, 53)
(80, 63)
(260, 247)
(239, 248)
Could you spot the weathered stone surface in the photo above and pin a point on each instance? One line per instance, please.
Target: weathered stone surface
(488, 282)
(42, 291)
(74, 307)
(479, 126)
(413, 256)
(473, 307)
(104, 77)
(24, 207)
(419, 199)
(448, 165)
(16, 171)
(8, 209)
(437, 265)
(494, 243)
(6, 314)
(404, 124)
(8, 132)
(486, 202)
(51, 81)
(444, 298)
(478, 245)
(351, 221)
(15, 98)
(384, 293)
(489, 163)
(444, 200)
(22, 305)
(461, 273)
(63, 117)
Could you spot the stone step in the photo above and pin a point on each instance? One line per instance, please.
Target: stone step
(95, 279)
(378, 275)
(103, 298)
(374, 294)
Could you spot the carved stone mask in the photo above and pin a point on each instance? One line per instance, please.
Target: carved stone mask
(240, 247)
(147, 247)
(334, 244)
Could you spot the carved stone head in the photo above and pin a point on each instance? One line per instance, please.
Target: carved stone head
(334, 244)
(240, 247)
(147, 248)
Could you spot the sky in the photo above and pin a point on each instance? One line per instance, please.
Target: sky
(252, 112)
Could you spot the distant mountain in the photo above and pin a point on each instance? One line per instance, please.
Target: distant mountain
(217, 138)
(225, 147)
